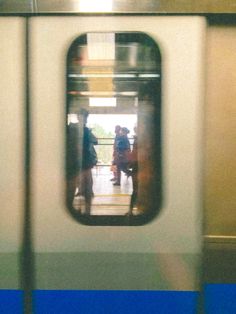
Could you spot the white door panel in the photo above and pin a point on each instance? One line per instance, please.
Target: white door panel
(177, 228)
(62, 244)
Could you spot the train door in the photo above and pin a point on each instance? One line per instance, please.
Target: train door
(164, 252)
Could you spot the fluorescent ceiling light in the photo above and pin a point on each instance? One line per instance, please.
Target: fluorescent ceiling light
(111, 75)
(149, 75)
(103, 94)
(102, 75)
(102, 102)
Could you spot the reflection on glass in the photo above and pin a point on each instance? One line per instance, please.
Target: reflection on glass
(113, 128)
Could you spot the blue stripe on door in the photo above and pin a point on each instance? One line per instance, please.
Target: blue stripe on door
(218, 299)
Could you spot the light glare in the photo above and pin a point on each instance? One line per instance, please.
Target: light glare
(95, 5)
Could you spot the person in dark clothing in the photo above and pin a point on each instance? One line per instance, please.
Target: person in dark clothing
(122, 154)
(133, 165)
(89, 160)
(72, 161)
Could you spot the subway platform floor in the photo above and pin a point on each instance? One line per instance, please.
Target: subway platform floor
(108, 199)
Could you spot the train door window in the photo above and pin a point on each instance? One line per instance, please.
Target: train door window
(113, 128)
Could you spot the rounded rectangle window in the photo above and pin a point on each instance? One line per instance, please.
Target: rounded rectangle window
(113, 128)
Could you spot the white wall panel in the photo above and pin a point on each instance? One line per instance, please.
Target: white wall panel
(12, 89)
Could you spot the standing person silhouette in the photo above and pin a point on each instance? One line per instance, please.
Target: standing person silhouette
(89, 160)
(122, 154)
(114, 167)
(72, 161)
(134, 172)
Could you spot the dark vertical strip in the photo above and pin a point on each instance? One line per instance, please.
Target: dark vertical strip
(27, 254)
